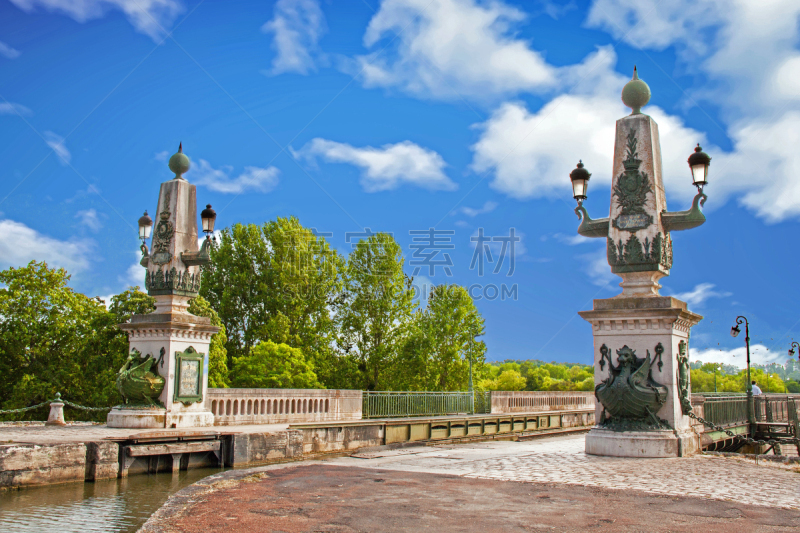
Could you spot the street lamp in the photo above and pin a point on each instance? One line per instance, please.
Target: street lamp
(791, 350)
(580, 182)
(145, 226)
(734, 333)
(209, 216)
(699, 162)
(470, 387)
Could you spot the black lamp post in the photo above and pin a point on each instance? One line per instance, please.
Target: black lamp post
(734, 333)
(471, 388)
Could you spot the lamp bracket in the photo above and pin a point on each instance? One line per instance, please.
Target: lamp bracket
(145, 255)
(201, 257)
(682, 220)
(591, 228)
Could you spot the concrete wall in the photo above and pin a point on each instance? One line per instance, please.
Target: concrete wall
(31, 464)
(233, 407)
(535, 401)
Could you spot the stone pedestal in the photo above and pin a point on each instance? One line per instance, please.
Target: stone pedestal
(185, 339)
(649, 326)
(172, 344)
(56, 417)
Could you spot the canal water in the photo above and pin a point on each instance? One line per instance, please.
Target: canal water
(120, 505)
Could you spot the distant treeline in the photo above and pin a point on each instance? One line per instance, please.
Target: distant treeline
(536, 375)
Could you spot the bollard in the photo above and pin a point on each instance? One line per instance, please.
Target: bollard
(56, 417)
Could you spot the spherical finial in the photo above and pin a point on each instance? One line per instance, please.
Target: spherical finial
(636, 93)
(179, 163)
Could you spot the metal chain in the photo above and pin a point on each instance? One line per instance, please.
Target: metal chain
(747, 440)
(76, 406)
(23, 409)
(47, 402)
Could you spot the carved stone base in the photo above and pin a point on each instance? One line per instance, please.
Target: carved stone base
(638, 284)
(121, 417)
(150, 417)
(662, 443)
(190, 419)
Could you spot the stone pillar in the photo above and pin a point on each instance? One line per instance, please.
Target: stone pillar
(656, 329)
(640, 338)
(56, 417)
(170, 346)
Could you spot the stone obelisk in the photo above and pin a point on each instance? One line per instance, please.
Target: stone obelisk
(169, 347)
(640, 337)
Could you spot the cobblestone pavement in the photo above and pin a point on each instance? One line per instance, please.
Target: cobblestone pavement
(562, 460)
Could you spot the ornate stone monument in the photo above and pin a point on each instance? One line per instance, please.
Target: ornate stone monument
(164, 380)
(640, 338)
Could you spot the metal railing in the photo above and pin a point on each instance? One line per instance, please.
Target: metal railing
(725, 410)
(775, 408)
(392, 404)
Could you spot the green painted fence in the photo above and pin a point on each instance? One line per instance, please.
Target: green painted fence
(725, 410)
(397, 404)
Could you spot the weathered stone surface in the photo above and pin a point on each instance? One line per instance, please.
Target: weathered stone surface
(102, 471)
(102, 452)
(619, 322)
(29, 464)
(255, 448)
(31, 456)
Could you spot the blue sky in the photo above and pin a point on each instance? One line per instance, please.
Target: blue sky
(404, 115)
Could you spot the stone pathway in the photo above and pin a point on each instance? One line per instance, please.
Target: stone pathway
(562, 460)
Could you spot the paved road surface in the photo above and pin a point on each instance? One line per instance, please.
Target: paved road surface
(546, 484)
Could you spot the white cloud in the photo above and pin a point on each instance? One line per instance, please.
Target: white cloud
(7, 51)
(90, 219)
(8, 108)
(488, 207)
(220, 180)
(161, 156)
(597, 268)
(56, 142)
(422, 286)
(747, 51)
(150, 17)
(134, 276)
(700, 294)
(571, 240)
(525, 151)
(297, 26)
(450, 48)
(20, 244)
(759, 355)
(387, 167)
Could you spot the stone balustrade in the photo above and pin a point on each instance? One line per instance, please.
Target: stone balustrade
(235, 407)
(534, 401)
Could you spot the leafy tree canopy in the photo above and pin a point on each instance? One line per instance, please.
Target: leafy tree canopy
(271, 365)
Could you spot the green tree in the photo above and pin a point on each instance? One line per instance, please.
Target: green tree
(444, 339)
(217, 354)
(378, 308)
(271, 365)
(507, 380)
(278, 282)
(53, 339)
